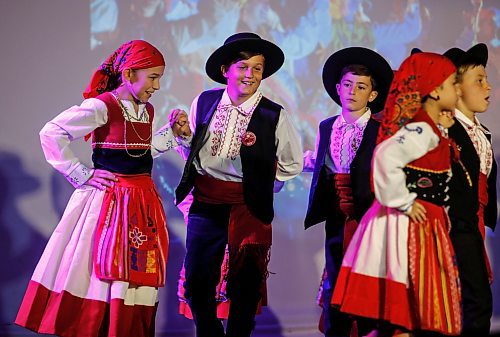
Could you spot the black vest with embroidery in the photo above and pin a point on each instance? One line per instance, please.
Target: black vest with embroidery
(258, 160)
(322, 195)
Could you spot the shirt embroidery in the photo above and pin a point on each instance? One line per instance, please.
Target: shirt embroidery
(345, 141)
(481, 144)
(228, 128)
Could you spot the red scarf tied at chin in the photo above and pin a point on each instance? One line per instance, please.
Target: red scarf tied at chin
(135, 54)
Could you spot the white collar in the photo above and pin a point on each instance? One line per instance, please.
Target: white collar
(468, 123)
(361, 121)
(141, 107)
(246, 108)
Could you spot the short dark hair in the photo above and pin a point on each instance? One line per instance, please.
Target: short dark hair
(242, 55)
(359, 70)
(462, 69)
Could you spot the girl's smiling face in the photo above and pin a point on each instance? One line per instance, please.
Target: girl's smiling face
(142, 83)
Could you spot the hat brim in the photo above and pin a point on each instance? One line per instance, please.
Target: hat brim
(274, 57)
(378, 66)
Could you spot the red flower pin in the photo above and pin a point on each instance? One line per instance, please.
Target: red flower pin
(249, 138)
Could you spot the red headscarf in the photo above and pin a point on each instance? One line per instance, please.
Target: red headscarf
(417, 76)
(135, 54)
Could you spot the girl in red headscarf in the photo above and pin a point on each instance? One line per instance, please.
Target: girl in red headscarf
(399, 268)
(101, 269)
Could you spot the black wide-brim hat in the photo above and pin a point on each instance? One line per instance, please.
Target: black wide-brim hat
(477, 54)
(239, 42)
(378, 66)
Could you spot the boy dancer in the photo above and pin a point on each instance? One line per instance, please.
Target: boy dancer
(242, 143)
(472, 188)
(357, 79)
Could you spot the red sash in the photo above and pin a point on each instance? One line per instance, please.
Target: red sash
(483, 201)
(248, 237)
(342, 184)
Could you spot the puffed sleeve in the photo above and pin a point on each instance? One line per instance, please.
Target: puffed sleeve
(392, 155)
(289, 149)
(310, 157)
(73, 123)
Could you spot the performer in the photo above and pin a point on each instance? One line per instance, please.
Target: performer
(242, 143)
(399, 267)
(358, 80)
(101, 269)
(473, 201)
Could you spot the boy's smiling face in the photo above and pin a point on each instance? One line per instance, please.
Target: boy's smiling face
(474, 89)
(355, 92)
(244, 77)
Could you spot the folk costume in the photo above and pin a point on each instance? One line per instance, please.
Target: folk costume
(100, 271)
(396, 270)
(236, 155)
(473, 206)
(340, 189)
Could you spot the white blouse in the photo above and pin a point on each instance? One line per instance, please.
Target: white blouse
(220, 155)
(392, 155)
(79, 121)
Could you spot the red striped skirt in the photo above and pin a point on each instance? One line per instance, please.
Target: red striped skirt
(66, 295)
(131, 239)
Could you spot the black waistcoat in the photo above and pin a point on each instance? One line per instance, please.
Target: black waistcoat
(258, 160)
(322, 194)
(463, 201)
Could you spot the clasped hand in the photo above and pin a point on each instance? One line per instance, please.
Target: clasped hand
(179, 123)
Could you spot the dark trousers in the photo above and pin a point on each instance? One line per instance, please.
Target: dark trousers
(477, 299)
(207, 236)
(335, 323)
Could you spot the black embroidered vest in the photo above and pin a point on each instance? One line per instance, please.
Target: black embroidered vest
(258, 160)
(322, 194)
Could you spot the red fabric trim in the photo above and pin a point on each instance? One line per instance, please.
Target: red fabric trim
(215, 191)
(342, 185)
(66, 315)
(433, 273)
(113, 131)
(131, 239)
(244, 227)
(439, 158)
(483, 201)
(248, 237)
(373, 297)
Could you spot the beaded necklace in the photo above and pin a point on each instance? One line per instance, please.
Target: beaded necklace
(126, 116)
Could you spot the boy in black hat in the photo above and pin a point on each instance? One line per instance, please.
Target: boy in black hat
(357, 79)
(242, 143)
(472, 188)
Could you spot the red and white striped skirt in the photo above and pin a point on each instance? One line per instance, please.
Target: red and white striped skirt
(402, 272)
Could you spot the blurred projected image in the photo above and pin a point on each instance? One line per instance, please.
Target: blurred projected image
(308, 31)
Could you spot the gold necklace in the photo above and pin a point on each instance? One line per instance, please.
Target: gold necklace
(125, 116)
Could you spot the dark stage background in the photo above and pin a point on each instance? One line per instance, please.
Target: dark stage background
(51, 47)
